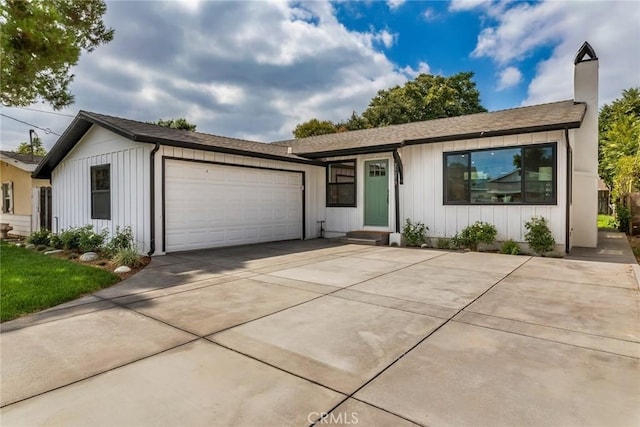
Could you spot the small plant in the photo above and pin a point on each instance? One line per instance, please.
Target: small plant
(56, 242)
(607, 222)
(415, 234)
(443, 243)
(623, 215)
(122, 239)
(510, 247)
(539, 236)
(128, 257)
(476, 233)
(83, 239)
(40, 237)
(41, 248)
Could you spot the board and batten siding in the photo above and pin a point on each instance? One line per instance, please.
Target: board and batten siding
(340, 220)
(421, 196)
(314, 183)
(130, 201)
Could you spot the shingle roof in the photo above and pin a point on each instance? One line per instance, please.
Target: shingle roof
(146, 132)
(24, 158)
(537, 118)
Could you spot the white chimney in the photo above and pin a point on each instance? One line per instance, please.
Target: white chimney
(584, 142)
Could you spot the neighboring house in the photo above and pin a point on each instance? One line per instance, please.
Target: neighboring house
(26, 202)
(604, 198)
(184, 190)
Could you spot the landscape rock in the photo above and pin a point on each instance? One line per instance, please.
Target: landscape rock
(88, 256)
(424, 245)
(122, 269)
(55, 251)
(30, 246)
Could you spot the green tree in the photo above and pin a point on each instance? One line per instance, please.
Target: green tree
(619, 135)
(355, 122)
(314, 127)
(427, 97)
(180, 123)
(38, 148)
(40, 41)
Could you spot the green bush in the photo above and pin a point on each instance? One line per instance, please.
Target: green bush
(476, 233)
(83, 239)
(415, 234)
(41, 237)
(443, 243)
(126, 256)
(539, 236)
(510, 247)
(55, 241)
(122, 239)
(607, 222)
(623, 215)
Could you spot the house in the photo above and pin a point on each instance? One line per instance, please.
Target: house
(26, 202)
(184, 190)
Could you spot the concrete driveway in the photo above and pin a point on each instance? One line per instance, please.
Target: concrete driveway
(279, 334)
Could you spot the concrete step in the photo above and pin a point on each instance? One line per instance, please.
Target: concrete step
(355, 241)
(381, 237)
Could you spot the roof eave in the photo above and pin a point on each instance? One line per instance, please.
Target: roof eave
(372, 149)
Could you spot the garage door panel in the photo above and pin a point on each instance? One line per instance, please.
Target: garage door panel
(210, 205)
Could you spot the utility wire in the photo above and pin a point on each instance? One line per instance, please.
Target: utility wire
(43, 111)
(47, 130)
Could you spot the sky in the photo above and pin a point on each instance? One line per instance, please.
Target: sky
(254, 70)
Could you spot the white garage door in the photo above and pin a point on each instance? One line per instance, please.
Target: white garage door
(210, 205)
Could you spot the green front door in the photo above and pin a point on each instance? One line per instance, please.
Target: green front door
(376, 192)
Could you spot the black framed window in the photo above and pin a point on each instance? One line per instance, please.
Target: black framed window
(509, 175)
(101, 192)
(341, 183)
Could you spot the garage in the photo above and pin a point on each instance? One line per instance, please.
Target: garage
(209, 205)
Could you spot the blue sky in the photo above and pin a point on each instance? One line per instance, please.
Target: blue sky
(255, 69)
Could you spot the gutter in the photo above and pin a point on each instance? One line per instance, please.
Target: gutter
(152, 201)
(399, 179)
(569, 195)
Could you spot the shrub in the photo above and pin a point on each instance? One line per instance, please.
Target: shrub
(41, 237)
(623, 215)
(126, 256)
(443, 243)
(83, 239)
(539, 236)
(510, 247)
(476, 233)
(122, 239)
(415, 234)
(41, 248)
(56, 242)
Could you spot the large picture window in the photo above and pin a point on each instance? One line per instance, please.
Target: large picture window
(341, 183)
(512, 175)
(101, 192)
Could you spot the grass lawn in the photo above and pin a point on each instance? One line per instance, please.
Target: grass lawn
(607, 222)
(31, 281)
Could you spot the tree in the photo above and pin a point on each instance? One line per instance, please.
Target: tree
(425, 98)
(619, 136)
(180, 123)
(314, 127)
(38, 148)
(40, 41)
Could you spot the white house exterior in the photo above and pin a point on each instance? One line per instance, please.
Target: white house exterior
(182, 190)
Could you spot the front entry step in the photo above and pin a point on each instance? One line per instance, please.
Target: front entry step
(373, 238)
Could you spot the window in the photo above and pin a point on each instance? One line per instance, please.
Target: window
(101, 192)
(341, 183)
(513, 175)
(7, 197)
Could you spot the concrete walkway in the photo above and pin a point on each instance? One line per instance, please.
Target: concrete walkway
(280, 334)
(613, 246)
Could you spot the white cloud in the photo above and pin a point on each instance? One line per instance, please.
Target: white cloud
(244, 69)
(429, 14)
(394, 4)
(460, 5)
(508, 77)
(423, 68)
(520, 30)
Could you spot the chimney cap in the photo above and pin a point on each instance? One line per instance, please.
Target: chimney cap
(585, 50)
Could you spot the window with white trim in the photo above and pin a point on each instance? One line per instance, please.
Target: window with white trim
(101, 192)
(7, 197)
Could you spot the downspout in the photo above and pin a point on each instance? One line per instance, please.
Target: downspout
(152, 207)
(569, 195)
(399, 179)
